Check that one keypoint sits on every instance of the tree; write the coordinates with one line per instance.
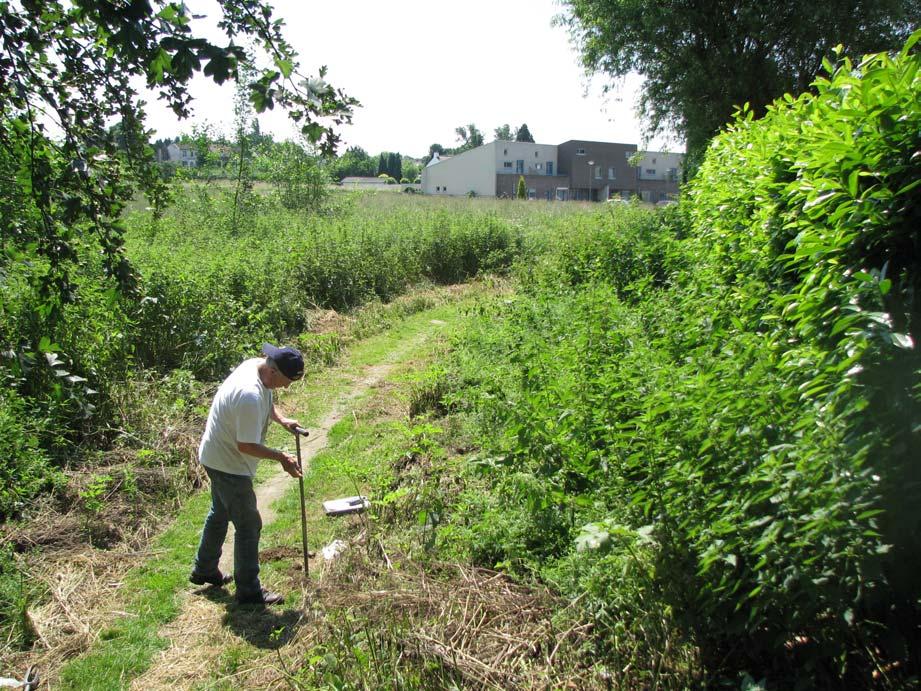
(504, 133)
(71, 68)
(523, 134)
(395, 165)
(411, 168)
(245, 122)
(390, 164)
(702, 60)
(469, 136)
(435, 149)
(355, 161)
(521, 191)
(299, 180)
(200, 140)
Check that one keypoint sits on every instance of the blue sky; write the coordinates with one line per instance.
(423, 67)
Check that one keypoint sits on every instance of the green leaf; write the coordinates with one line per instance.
(903, 341)
(852, 181)
(285, 66)
(46, 346)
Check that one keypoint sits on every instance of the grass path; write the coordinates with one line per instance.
(163, 625)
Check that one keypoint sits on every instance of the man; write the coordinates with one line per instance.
(230, 449)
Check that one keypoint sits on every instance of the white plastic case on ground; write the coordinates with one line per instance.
(346, 505)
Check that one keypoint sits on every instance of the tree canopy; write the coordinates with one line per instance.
(435, 149)
(523, 134)
(69, 69)
(470, 137)
(503, 133)
(702, 60)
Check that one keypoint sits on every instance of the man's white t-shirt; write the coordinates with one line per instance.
(240, 411)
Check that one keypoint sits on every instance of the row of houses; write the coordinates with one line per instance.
(573, 170)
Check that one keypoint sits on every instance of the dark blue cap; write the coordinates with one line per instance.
(288, 359)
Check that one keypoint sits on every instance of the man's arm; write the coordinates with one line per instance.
(286, 422)
(288, 462)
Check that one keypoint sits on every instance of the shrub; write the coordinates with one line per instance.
(299, 180)
(743, 389)
(24, 466)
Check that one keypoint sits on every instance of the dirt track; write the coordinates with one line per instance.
(196, 634)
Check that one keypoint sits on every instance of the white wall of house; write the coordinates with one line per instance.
(661, 165)
(173, 152)
(525, 158)
(471, 171)
(182, 154)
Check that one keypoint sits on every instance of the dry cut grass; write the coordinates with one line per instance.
(476, 626)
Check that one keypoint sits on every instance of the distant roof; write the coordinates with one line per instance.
(437, 158)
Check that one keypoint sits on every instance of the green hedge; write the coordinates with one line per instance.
(728, 397)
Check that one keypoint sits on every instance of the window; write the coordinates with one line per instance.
(597, 172)
(538, 165)
(650, 171)
(505, 152)
(673, 174)
(445, 188)
(580, 152)
(507, 164)
(611, 174)
(535, 154)
(438, 188)
(532, 193)
(519, 166)
(653, 161)
(549, 167)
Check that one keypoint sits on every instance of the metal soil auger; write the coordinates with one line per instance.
(29, 683)
(332, 507)
(298, 432)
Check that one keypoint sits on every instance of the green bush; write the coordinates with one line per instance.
(17, 593)
(739, 380)
(300, 182)
(24, 466)
(830, 186)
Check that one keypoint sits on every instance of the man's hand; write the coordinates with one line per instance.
(288, 423)
(289, 463)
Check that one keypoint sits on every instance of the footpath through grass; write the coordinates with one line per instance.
(154, 592)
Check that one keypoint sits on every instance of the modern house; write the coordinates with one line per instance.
(585, 170)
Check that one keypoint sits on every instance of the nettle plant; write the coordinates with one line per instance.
(808, 220)
(749, 387)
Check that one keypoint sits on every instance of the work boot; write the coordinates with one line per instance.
(261, 598)
(216, 579)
